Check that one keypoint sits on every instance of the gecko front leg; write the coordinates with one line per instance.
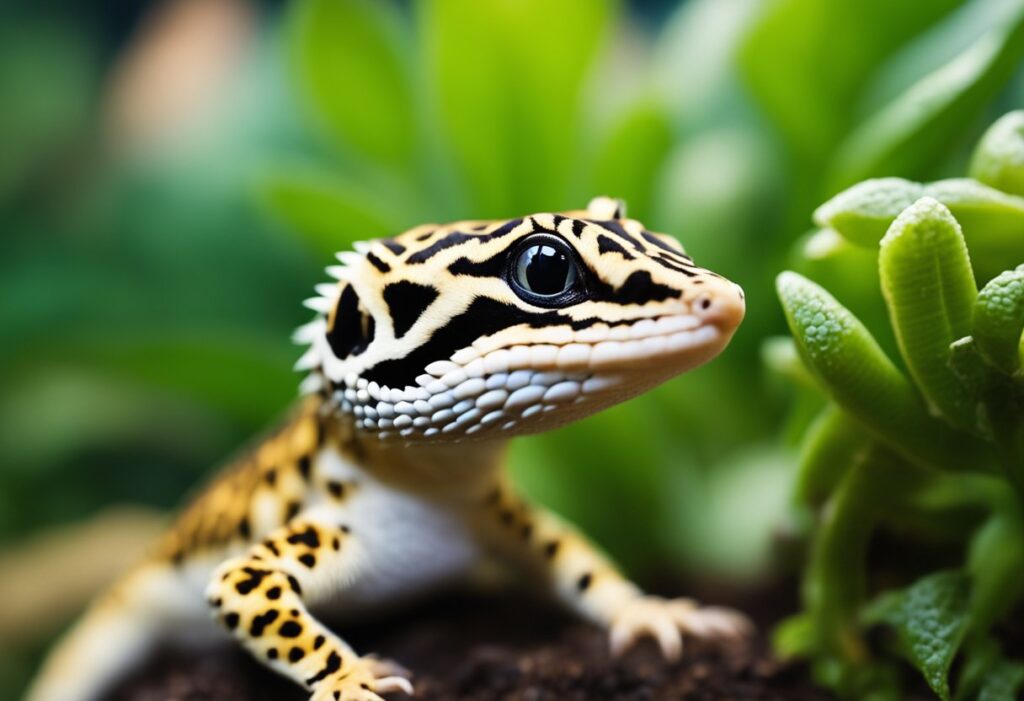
(262, 599)
(588, 583)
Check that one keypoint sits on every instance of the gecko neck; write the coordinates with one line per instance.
(446, 470)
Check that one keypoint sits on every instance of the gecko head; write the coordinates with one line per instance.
(491, 329)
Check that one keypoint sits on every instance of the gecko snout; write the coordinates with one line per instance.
(721, 305)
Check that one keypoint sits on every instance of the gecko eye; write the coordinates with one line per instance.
(544, 272)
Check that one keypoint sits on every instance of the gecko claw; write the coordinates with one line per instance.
(388, 684)
(666, 620)
(382, 667)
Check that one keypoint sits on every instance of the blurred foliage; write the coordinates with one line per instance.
(932, 450)
(150, 289)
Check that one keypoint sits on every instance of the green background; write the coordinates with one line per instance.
(153, 267)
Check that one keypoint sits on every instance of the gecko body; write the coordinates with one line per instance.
(428, 352)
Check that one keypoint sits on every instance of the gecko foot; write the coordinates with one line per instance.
(666, 620)
(365, 681)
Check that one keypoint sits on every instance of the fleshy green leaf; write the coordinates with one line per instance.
(863, 212)
(913, 131)
(864, 382)
(999, 320)
(832, 445)
(999, 158)
(992, 221)
(835, 581)
(348, 57)
(930, 618)
(929, 289)
(995, 561)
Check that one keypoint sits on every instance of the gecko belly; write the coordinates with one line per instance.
(407, 545)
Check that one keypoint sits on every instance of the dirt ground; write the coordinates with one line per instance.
(490, 648)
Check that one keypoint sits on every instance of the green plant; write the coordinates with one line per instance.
(932, 451)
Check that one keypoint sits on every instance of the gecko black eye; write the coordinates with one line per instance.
(544, 272)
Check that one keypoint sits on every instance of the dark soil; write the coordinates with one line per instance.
(476, 648)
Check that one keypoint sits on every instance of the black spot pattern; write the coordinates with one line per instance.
(393, 246)
(483, 317)
(638, 288)
(290, 629)
(406, 302)
(378, 263)
(260, 622)
(346, 336)
(457, 238)
(254, 579)
(309, 537)
(606, 244)
(332, 665)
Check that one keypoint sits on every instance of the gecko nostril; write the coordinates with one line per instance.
(722, 310)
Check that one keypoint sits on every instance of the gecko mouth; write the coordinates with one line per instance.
(479, 391)
(596, 348)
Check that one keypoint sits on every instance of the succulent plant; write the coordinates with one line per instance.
(927, 437)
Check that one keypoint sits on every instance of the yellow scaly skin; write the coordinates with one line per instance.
(430, 351)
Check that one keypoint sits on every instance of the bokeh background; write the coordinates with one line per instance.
(175, 175)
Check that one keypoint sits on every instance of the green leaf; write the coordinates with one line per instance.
(214, 367)
(995, 561)
(832, 445)
(1002, 682)
(929, 290)
(863, 212)
(865, 383)
(988, 676)
(695, 56)
(1000, 409)
(329, 212)
(999, 320)
(808, 61)
(992, 221)
(835, 580)
(910, 134)
(999, 158)
(779, 354)
(631, 158)
(930, 618)
(348, 57)
(508, 77)
(794, 637)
